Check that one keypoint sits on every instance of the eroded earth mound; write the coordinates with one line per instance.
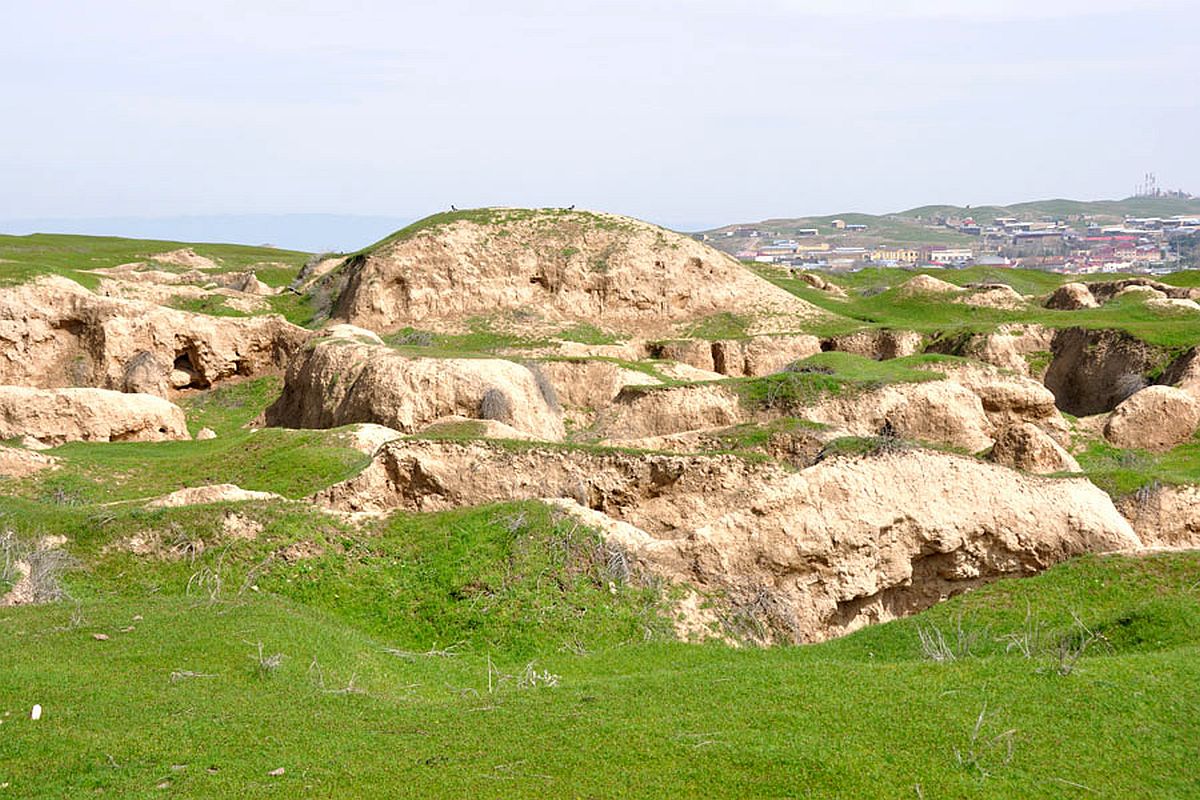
(835, 546)
(556, 267)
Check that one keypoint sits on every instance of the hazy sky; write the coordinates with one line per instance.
(687, 113)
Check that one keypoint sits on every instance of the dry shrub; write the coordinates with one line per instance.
(495, 405)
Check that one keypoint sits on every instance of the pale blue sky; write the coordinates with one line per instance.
(687, 113)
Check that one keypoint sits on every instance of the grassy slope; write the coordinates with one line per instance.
(293, 463)
(23, 258)
(560, 680)
(520, 596)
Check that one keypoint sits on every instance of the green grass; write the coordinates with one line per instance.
(613, 713)
(586, 333)
(481, 339)
(875, 303)
(1122, 472)
(725, 325)
(834, 373)
(213, 305)
(24, 258)
(291, 463)
(756, 436)
(231, 406)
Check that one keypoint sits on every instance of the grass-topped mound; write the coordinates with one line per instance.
(556, 267)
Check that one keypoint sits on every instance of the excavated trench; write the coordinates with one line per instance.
(1094, 371)
(1089, 371)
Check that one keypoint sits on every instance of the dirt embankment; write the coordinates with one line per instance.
(968, 410)
(56, 334)
(54, 416)
(341, 381)
(805, 554)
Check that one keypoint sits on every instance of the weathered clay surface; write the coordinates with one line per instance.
(16, 462)
(216, 493)
(925, 284)
(1027, 447)
(91, 415)
(54, 334)
(1012, 346)
(1156, 418)
(999, 296)
(1012, 400)
(1071, 297)
(341, 381)
(762, 355)
(880, 345)
(1165, 516)
(942, 412)
(638, 414)
(832, 547)
(1104, 291)
(818, 281)
(591, 384)
(1094, 370)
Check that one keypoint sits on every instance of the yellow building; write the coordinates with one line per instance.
(899, 254)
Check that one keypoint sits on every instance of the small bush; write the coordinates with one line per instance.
(45, 566)
(495, 405)
(414, 338)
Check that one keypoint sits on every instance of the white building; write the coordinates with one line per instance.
(955, 256)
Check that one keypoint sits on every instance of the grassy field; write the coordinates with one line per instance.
(489, 652)
(875, 302)
(23, 258)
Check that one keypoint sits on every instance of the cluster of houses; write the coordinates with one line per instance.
(1138, 244)
(823, 255)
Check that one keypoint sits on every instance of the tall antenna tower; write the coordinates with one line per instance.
(1148, 187)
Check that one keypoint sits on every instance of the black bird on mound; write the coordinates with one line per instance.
(453, 207)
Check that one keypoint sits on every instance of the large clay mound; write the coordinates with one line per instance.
(562, 266)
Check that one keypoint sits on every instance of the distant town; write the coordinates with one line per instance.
(1085, 238)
